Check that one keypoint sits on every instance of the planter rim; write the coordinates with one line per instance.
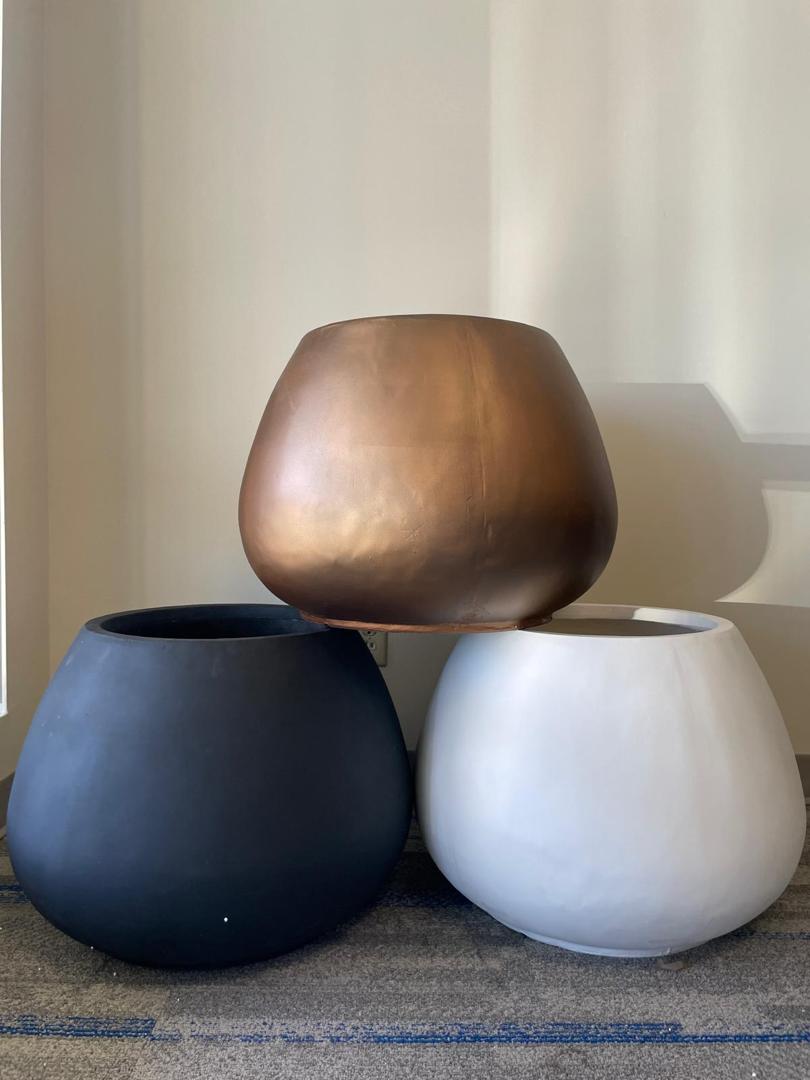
(433, 315)
(178, 614)
(695, 622)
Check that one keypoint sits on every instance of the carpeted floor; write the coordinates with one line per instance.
(423, 985)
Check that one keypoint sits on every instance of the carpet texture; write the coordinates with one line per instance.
(421, 985)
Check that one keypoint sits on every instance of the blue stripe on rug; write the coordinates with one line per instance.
(452, 1034)
(13, 894)
(511, 1034)
(83, 1027)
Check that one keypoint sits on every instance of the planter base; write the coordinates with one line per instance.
(430, 628)
(594, 950)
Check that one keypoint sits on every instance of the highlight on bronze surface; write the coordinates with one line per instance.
(428, 472)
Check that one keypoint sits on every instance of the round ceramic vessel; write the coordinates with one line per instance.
(209, 785)
(619, 781)
(428, 472)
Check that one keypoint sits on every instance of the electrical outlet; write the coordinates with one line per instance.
(377, 642)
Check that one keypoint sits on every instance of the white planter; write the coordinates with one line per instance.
(630, 792)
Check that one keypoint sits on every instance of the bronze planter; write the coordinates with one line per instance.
(428, 472)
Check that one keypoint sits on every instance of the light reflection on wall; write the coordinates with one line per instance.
(650, 180)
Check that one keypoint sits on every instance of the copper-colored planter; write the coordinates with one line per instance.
(428, 472)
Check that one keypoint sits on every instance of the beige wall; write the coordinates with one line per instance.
(631, 175)
(220, 178)
(26, 525)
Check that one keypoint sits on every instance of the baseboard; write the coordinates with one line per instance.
(803, 761)
(5, 792)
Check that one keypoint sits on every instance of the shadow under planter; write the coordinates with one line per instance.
(209, 785)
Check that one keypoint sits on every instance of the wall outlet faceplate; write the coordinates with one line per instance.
(377, 642)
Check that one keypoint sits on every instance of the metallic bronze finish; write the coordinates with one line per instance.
(428, 472)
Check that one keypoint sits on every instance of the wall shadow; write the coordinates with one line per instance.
(415, 662)
(693, 521)
(693, 528)
(93, 251)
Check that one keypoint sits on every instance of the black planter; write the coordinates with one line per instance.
(209, 785)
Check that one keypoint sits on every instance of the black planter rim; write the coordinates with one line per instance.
(205, 623)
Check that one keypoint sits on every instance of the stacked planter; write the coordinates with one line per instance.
(210, 785)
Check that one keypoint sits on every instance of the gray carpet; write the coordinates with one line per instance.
(422, 985)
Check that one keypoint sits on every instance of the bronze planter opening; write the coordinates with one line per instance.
(428, 472)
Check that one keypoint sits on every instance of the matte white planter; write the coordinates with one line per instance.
(626, 787)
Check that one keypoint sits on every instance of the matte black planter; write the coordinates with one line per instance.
(209, 785)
